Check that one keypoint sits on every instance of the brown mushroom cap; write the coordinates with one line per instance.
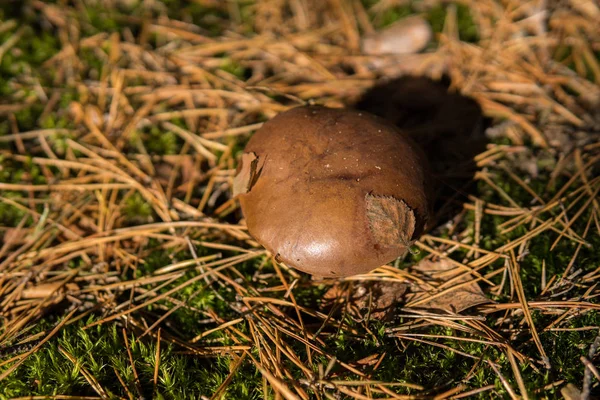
(333, 192)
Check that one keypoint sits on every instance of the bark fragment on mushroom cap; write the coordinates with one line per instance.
(333, 192)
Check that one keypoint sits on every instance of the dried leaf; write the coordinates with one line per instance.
(76, 112)
(406, 36)
(376, 298)
(95, 115)
(571, 392)
(438, 272)
(41, 291)
(15, 236)
(247, 175)
(587, 8)
(392, 221)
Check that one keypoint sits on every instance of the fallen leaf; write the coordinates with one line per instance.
(41, 291)
(587, 8)
(94, 115)
(376, 298)
(76, 111)
(406, 36)
(435, 273)
(392, 221)
(15, 236)
(571, 392)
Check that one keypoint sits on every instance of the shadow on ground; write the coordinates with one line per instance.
(448, 126)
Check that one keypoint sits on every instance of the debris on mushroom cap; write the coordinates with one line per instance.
(408, 35)
(246, 175)
(333, 192)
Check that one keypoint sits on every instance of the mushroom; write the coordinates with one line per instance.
(333, 192)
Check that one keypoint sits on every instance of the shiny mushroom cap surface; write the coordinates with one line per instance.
(333, 192)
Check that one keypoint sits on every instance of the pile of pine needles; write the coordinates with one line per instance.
(121, 124)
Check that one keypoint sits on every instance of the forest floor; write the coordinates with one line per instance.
(126, 270)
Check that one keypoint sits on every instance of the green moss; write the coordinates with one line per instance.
(207, 17)
(9, 214)
(393, 14)
(55, 122)
(136, 208)
(161, 142)
(467, 29)
(233, 67)
(40, 48)
(31, 51)
(101, 350)
(27, 117)
(67, 97)
(91, 60)
(59, 141)
(4, 128)
(101, 20)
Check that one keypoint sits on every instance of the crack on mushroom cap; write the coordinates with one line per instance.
(391, 221)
